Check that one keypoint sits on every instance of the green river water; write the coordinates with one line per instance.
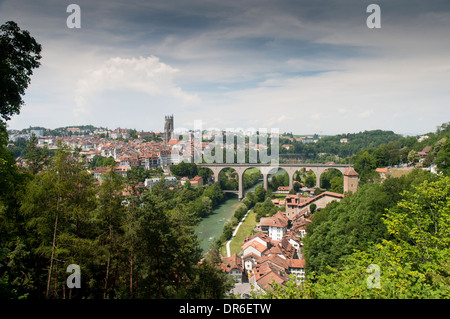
(211, 227)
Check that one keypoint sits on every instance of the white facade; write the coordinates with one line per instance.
(276, 233)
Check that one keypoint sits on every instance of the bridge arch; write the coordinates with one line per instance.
(265, 169)
(328, 177)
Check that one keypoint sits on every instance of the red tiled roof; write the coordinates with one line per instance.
(350, 172)
(277, 220)
(230, 263)
(296, 263)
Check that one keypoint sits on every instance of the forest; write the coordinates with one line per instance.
(137, 246)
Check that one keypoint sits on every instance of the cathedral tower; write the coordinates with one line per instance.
(168, 128)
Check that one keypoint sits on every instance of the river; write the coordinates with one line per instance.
(211, 227)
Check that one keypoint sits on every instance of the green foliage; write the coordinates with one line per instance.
(265, 209)
(139, 246)
(19, 55)
(310, 180)
(365, 164)
(332, 180)
(101, 161)
(210, 282)
(341, 227)
(37, 158)
(412, 255)
(442, 159)
(279, 180)
(184, 169)
(260, 193)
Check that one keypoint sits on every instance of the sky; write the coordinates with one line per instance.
(306, 67)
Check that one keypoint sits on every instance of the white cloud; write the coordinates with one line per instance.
(146, 75)
(365, 114)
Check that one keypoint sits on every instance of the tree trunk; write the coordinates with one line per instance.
(131, 275)
(107, 265)
(107, 275)
(53, 252)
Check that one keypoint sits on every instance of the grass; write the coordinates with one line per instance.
(398, 172)
(245, 230)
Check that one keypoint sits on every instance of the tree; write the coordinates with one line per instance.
(111, 221)
(19, 55)
(210, 282)
(260, 193)
(310, 181)
(413, 157)
(442, 159)
(56, 205)
(365, 164)
(168, 249)
(413, 259)
(37, 158)
(343, 226)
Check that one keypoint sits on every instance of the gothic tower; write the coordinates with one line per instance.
(168, 128)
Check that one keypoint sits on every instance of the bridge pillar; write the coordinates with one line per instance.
(265, 173)
(291, 171)
(240, 171)
(318, 171)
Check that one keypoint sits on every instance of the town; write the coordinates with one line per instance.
(273, 251)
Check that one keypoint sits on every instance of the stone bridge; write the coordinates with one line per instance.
(267, 169)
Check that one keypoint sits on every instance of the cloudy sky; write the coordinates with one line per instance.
(300, 66)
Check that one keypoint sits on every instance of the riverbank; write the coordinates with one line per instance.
(244, 229)
(210, 228)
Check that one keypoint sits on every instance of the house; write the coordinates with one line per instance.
(383, 172)
(254, 247)
(233, 266)
(283, 189)
(300, 225)
(249, 262)
(183, 180)
(98, 172)
(197, 181)
(275, 227)
(265, 260)
(279, 202)
(297, 205)
(297, 268)
(423, 154)
(265, 274)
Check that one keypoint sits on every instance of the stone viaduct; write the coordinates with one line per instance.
(265, 169)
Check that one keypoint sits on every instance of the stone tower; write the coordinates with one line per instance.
(168, 128)
(350, 180)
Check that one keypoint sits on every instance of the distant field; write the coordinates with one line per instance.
(398, 172)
